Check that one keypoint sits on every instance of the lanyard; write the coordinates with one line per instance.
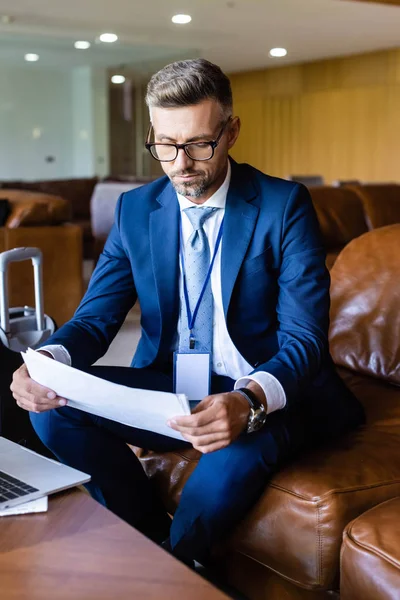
(192, 317)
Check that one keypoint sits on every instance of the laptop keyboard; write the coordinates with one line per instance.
(11, 488)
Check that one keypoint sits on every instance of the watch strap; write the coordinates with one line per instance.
(250, 397)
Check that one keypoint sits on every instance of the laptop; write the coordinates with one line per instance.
(25, 475)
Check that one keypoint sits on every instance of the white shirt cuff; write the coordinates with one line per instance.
(59, 353)
(272, 388)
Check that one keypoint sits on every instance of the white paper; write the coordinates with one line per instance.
(192, 375)
(144, 409)
(32, 506)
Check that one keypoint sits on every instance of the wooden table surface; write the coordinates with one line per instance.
(79, 550)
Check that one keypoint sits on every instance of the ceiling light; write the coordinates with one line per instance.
(31, 57)
(278, 52)
(82, 45)
(181, 19)
(118, 79)
(108, 38)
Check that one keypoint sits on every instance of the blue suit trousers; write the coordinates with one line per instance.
(221, 490)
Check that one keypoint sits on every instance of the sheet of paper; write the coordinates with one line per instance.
(144, 409)
(33, 506)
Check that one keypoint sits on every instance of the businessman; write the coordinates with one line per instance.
(229, 269)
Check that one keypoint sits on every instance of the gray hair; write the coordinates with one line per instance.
(189, 82)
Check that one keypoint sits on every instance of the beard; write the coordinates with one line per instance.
(191, 189)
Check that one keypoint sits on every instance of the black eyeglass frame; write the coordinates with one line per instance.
(212, 143)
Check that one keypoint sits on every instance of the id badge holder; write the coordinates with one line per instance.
(192, 374)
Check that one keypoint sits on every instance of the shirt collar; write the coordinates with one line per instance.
(217, 200)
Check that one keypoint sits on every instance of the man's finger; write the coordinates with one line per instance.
(21, 379)
(212, 447)
(215, 427)
(206, 440)
(40, 391)
(32, 404)
(199, 419)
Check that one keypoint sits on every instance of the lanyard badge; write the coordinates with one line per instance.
(192, 370)
(192, 317)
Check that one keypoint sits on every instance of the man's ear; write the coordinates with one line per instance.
(234, 131)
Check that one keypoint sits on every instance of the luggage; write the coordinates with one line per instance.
(20, 328)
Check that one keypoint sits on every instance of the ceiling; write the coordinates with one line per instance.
(236, 34)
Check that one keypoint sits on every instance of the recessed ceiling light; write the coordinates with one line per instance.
(108, 38)
(82, 45)
(31, 57)
(118, 79)
(278, 52)
(181, 19)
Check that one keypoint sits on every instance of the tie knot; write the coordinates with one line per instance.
(198, 215)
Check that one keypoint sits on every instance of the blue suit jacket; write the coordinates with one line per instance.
(275, 285)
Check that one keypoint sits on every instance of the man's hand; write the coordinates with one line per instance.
(215, 423)
(31, 396)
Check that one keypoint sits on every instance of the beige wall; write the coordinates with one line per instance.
(337, 118)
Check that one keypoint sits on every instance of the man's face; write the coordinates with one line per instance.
(197, 180)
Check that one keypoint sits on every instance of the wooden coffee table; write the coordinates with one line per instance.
(79, 550)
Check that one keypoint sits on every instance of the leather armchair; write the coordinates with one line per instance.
(76, 191)
(289, 544)
(41, 220)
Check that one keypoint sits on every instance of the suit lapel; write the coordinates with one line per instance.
(239, 224)
(164, 246)
(240, 220)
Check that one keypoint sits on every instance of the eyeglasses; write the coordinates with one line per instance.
(194, 150)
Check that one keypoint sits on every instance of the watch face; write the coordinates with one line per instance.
(256, 420)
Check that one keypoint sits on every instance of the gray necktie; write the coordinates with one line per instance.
(196, 265)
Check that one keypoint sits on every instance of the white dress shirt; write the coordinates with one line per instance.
(226, 359)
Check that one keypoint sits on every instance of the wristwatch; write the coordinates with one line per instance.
(258, 414)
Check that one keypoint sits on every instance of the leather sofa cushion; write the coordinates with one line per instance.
(26, 214)
(315, 496)
(31, 208)
(381, 203)
(340, 214)
(76, 191)
(371, 555)
(365, 315)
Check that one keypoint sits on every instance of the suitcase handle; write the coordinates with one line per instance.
(16, 255)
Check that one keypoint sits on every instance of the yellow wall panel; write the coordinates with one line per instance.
(337, 118)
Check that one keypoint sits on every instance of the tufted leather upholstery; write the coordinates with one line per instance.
(295, 530)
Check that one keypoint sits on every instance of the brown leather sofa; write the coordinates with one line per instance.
(76, 191)
(381, 203)
(41, 220)
(370, 558)
(288, 547)
(347, 212)
(344, 213)
(341, 218)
